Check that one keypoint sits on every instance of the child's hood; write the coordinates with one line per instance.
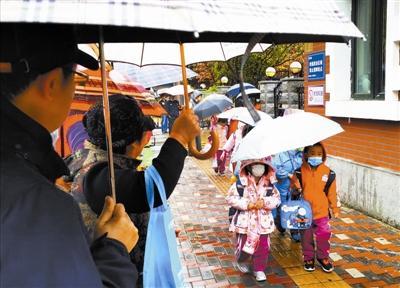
(305, 158)
(267, 161)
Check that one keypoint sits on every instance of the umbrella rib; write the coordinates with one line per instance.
(223, 52)
(141, 56)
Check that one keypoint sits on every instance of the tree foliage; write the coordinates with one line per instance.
(277, 56)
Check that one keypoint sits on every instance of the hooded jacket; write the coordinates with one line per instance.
(257, 221)
(313, 184)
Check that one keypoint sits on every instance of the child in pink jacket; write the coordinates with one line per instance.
(253, 221)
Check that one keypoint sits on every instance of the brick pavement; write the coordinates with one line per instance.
(366, 252)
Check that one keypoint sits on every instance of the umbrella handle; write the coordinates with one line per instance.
(210, 153)
(214, 136)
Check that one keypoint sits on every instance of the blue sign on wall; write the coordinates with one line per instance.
(316, 66)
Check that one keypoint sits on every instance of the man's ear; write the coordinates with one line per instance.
(48, 84)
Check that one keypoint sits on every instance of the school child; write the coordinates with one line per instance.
(285, 163)
(253, 220)
(221, 129)
(317, 184)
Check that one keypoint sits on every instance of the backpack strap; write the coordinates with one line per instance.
(331, 178)
(297, 172)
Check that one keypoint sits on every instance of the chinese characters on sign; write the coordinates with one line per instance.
(316, 66)
(316, 96)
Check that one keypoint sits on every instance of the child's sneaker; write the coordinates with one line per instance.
(309, 265)
(243, 267)
(326, 265)
(260, 276)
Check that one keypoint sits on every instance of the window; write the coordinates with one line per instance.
(368, 57)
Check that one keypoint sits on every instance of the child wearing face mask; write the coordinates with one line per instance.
(253, 220)
(314, 175)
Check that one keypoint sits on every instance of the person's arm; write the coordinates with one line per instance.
(130, 184)
(111, 258)
(235, 200)
(113, 263)
(333, 199)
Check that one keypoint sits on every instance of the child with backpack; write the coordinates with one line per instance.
(285, 164)
(317, 185)
(253, 220)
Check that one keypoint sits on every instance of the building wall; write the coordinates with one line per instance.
(370, 189)
(366, 157)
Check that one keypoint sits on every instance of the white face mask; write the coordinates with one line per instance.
(258, 170)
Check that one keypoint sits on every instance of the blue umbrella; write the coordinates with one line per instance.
(212, 105)
(235, 89)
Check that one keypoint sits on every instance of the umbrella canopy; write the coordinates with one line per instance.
(143, 54)
(249, 91)
(190, 21)
(212, 105)
(153, 75)
(286, 133)
(117, 84)
(243, 115)
(234, 90)
(175, 90)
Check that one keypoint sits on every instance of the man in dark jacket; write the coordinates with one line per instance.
(172, 106)
(42, 239)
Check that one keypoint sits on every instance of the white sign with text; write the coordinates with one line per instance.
(316, 96)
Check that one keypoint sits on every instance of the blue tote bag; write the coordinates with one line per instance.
(162, 267)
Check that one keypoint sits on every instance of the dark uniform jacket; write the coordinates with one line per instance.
(42, 238)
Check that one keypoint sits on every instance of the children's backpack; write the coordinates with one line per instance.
(232, 211)
(296, 214)
(292, 213)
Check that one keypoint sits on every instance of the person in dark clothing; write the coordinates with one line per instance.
(172, 107)
(43, 241)
(129, 135)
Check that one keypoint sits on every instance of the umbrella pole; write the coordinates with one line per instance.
(214, 137)
(184, 79)
(107, 117)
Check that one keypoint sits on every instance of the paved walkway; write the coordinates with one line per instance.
(366, 252)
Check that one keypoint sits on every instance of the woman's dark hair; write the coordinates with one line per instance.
(14, 84)
(127, 122)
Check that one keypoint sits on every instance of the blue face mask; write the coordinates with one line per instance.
(314, 161)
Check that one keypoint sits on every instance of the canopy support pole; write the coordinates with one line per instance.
(107, 116)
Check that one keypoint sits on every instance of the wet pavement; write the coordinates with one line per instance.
(366, 252)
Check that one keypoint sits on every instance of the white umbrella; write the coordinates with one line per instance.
(143, 54)
(153, 75)
(175, 90)
(242, 114)
(190, 21)
(285, 133)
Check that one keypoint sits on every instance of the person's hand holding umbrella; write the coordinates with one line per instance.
(186, 127)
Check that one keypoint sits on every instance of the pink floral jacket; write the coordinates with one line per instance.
(257, 221)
